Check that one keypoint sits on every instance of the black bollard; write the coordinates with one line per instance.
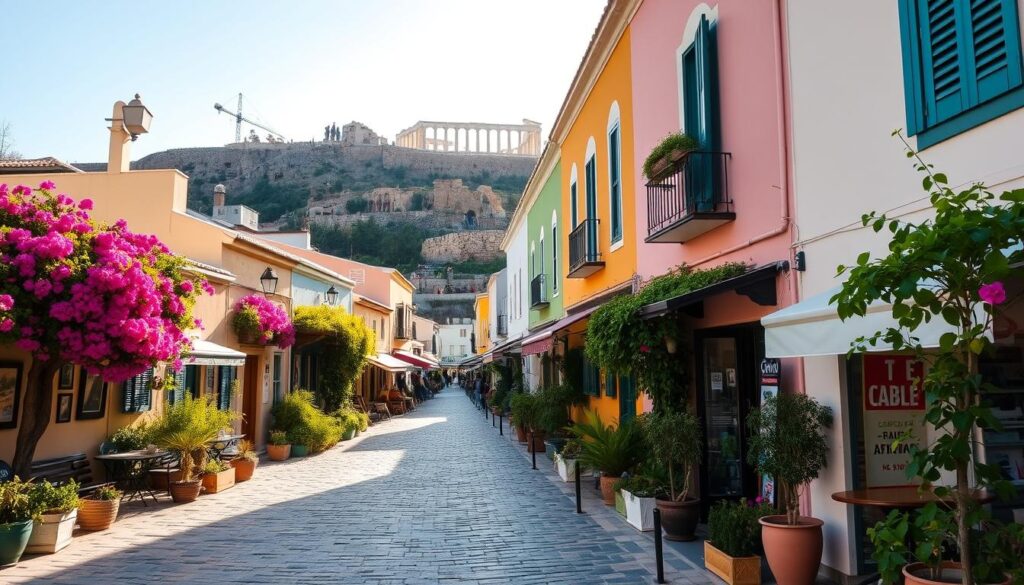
(533, 451)
(658, 557)
(492, 421)
(501, 430)
(579, 498)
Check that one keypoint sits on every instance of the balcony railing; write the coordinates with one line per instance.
(584, 257)
(689, 198)
(502, 325)
(538, 292)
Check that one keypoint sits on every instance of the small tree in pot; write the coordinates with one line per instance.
(612, 451)
(524, 415)
(787, 442)
(185, 428)
(674, 441)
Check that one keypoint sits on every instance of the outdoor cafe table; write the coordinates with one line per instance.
(130, 470)
(899, 498)
(217, 446)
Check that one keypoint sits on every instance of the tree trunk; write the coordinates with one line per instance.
(963, 497)
(35, 416)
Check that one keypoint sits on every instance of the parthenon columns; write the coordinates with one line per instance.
(520, 139)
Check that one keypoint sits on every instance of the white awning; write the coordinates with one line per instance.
(812, 328)
(207, 353)
(387, 362)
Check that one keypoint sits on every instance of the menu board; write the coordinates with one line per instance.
(894, 404)
(770, 382)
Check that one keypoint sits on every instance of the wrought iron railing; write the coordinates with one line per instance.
(583, 247)
(538, 291)
(695, 184)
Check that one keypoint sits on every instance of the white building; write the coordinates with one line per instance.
(454, 340)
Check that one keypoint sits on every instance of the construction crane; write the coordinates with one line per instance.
(239, 118)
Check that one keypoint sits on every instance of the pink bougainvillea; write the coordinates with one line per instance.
(268, 322)
(72, 289)
(993, 293)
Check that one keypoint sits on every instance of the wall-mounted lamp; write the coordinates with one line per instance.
(137, 117)
(268, 280)
(331, 295)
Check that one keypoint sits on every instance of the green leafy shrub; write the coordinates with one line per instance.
(524, 410)
(674, 440)
(214, 466)
(610, 450)
(347, 342)
(132, 437)
(674, 141)
(16, 504)
(734, 529)
(187, 426)
(571, 449)
(552, 407)
(640, 486)
(106, 493)
(357, 205)
(304, 423)
(52, 499)
(279, 438)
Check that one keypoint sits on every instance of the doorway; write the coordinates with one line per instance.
(727, 367)
(249, 390)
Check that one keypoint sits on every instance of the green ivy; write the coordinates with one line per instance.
(347, 342)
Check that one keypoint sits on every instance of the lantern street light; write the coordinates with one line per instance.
(137, 117)
(268, 280)
(332, 295)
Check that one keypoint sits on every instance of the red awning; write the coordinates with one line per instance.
(411, 358)
(539, 346)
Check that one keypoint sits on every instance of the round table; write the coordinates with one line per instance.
(908, 497)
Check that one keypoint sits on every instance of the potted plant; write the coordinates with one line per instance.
(16, 515)
(552, 415)
(638, 498)
(98, 510)
(186, 427)
(58, 506)
(611, 451)
(299, 438)
(309, 429)
(734, 541)
(673, 440)
(217, 476)
(259, 321)
(246, 462)
(565, 460)
(524, 413)
(787, 442)
(278, 447)
(670, 150)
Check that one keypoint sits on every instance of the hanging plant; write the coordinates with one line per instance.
(671, 148)
(260, 321)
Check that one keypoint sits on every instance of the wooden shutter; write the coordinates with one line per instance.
(627, 398)
(703, 178)
(177, 393)
(615, 182)
(609, 384)
(994, 50)
(226, 375)
(943, 59)
(136, 393)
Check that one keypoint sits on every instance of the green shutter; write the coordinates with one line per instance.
(705, 179)
(627, 398)
(609, 384)
(177, 393)
(942, 29)
(225, 376)
(136, 393)
(994, 50)
(615, 183)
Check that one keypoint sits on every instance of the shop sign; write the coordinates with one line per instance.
(770, 382)
(894, 425)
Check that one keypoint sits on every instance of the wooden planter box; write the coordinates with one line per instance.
(639, 511)
(52, 532)
(218, 482)
(735, 571)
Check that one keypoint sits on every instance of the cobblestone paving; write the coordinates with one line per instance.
(433, 497)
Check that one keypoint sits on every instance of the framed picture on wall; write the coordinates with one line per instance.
(92, 398)
(64, 407)
(66, 381)
(10, 394)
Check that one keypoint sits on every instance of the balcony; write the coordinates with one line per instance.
(538, 292)
(689, 198)
(502, 325)
(584, 258)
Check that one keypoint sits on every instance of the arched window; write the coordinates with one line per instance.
(573, 197)
(540, 237)
(554, 253)
(615, 173)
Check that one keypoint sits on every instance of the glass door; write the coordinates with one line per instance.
(722, 419)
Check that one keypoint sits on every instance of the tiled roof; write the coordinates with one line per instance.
(36, 165)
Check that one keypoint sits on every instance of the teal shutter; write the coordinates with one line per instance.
(943, 59)
(706, 78)
(136, 395)
(615, 186)
(627, 398)
(225, 376)
(177, 393)
(192, 380)
(590, 172)
(609, 384)
(573, 204)
(994, 50)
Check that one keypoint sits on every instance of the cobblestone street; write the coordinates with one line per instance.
(436, 496)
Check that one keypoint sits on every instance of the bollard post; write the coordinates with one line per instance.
(501, 420)
(579, 499)
(533, 451)
(658, 557)
(492, 421)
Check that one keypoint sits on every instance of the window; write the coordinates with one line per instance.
(383, 325)
(227, 377)
(615, 172)
(554, 254)
(699, 76)
(591, 378)
(137, 396)
(278, 370)
(961, 65)
(573, 202)
(462, 332)
(541, 250)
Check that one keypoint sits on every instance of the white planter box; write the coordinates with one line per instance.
(639, 511)
(52, 533)
(566, 468)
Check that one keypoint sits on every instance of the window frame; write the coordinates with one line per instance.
(615, 181)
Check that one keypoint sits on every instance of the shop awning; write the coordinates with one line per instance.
(543, 339)
(812, 328)
(207, 353)
(757, 284)
(415, 360)
(388, 363)
(540, 345)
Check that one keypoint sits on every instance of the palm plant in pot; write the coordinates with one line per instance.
(673, 439)
(611, 451)
(185, 427)
(246, 462)
(58, 506)
(788, 443)
(16, 515)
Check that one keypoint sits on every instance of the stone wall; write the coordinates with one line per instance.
(479, 245)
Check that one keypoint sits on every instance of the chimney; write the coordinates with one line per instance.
(219, 196)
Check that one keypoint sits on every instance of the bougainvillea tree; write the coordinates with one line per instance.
(73, 290)
(263, 321)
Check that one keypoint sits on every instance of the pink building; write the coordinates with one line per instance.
(717, 75)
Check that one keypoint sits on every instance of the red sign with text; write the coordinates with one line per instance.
(894, 426)
(892, 382)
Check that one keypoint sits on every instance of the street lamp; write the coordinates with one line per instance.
(137, 117)
(332, 295)
(268, 280)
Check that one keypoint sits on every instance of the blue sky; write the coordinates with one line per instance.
(301, 64)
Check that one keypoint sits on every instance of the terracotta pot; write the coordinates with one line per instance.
(97, 514)
(218, 482)
(732, 570)
(917, 574)
(793, 551)
(679, 519)
(52, 532)
(244, 468)
(607, 493)
(538, 444)
(279, 452)
(521, 434)
(184, 492)
(159, 478)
